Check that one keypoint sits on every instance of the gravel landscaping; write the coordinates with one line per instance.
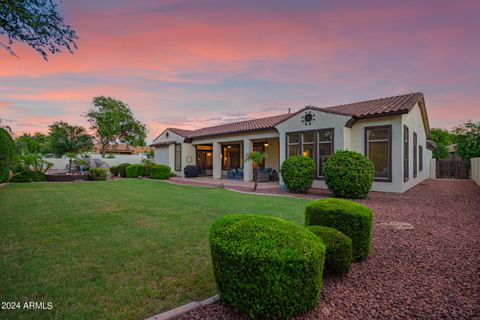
(425, 260)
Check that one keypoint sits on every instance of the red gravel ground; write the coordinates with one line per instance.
(430, 272)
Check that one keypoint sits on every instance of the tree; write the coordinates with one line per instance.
(64, 138)
(255, 157)
(36, 23)
(442, 139)
(113, 123)
(6, 127)
(467, 139)
(7, 153)
(27, 143)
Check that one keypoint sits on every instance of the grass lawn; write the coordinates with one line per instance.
(125, 249)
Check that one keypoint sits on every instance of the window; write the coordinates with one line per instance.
(414, 155)
(293, 144)
(178, 157)
(231, 156)
(260, 147)
(316, 144)
(405, 153)
(378, 148)
(420, 158)
(325, 149)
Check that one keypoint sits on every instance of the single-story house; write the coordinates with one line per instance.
(392, 132)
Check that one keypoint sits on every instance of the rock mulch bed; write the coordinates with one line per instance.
(429, 272)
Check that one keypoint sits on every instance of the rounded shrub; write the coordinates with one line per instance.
(351, 218)
(122, 169)
(298, 173)
(114, 171)
(348, 174)
(7, 152)
(266, 267)
(135, 171)
(338, 256)
(98, 174)
(161, 171)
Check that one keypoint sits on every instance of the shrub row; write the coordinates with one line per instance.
(161, 171)
(266, 267)
(28, 176)
(122, 169)
(135, 171)
(98, 174)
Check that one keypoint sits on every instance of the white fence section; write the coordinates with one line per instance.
(475, 170)
(433, 168)
(60, 163)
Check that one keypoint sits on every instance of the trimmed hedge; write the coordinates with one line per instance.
(28, 176)
(114, 171)
(348, 174)
(161, 171)
(338, 257)
(98, 174)
(7, 152)
(298, 173)
(135, 171)
(266, 267)
(350, 218)
(122, 169)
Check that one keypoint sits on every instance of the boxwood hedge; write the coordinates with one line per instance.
(114, 171)
(338, 256)
(161, 171)
(135, 171)
(122, 169)
(98, 174)
(297, 173)
(348, 174)
(266, 267)
(351, 218)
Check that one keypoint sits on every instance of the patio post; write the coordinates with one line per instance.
(247, 166)
(217, 160)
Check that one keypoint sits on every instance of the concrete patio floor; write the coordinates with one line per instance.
(228, 183)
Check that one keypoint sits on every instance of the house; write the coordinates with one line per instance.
(392, 132)
(122, 149)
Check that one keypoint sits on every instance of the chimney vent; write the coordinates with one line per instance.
(288, 110)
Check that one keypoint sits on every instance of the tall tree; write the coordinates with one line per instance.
(113, 123)
(36, 23)
(442, 139)
(27, 143)
(467, 139)
(255, 157)
(64, 138)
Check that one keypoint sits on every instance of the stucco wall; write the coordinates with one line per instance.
(166, 154)
(161, 155)
(415, 124)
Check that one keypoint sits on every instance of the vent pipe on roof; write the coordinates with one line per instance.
(288, 110)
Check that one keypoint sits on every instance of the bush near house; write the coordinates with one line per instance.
(135, 171)
(7, 152)
(98, 174)
(348, 174)
(338, 256)
(122, 169)
(266, 267)
(161, 171)
(114, 171)
(28, 176)
(350, 218)
(298, 173)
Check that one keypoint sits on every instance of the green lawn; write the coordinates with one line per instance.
(125, 249)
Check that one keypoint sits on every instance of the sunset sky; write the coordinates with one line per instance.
(191, 64)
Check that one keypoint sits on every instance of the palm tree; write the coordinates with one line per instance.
(256, 157)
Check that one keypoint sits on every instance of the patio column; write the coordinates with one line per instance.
(247, 166)
(217, 160)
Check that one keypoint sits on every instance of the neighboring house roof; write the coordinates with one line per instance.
(359, 110)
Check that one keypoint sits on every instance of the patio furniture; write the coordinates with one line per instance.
(191, 171)
(239, 173)
(263, 176)
(231, 174)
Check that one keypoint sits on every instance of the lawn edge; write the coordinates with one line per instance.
(186, 308)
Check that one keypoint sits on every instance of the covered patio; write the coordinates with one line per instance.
(226, 183)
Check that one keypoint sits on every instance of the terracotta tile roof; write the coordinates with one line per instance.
(181, 132)
(377, 107)
(236, 127)
(163, 143)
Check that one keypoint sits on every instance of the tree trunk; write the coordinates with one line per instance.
(70, 165)
(255, 179)
(103, 151)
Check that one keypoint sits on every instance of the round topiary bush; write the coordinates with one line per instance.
(7, 152)
(348, 174)
(351, 218)
(298, 173)
(338, 257)
(122, 169)
(98, 174)
(135, 171)
(161, 171)
(266, 267)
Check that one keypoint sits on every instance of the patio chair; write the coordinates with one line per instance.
(239, 174)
